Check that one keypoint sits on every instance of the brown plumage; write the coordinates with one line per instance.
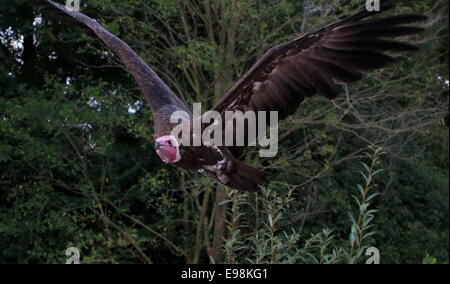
(313, 63)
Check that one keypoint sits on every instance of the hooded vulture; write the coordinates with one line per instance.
(312, 63)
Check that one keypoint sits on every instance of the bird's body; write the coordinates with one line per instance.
(310, 64)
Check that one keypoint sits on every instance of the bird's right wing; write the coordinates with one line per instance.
(156, 92)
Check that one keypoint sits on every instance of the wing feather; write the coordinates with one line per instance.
(316, 62)
(156, 92)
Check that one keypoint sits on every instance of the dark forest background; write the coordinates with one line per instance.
(78, 168)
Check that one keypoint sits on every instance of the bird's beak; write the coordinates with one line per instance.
(157, 145)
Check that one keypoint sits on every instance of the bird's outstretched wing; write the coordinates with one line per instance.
(315, 62)
(156, 92)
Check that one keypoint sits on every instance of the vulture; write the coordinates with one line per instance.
(311, 63)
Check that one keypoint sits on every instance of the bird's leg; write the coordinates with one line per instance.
(220, 167)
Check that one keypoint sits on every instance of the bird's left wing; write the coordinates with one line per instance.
(315, 62)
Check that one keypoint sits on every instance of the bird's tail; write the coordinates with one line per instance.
(246, 177)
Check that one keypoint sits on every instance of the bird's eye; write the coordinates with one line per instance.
(170, 142)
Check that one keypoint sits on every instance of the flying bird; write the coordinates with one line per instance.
(312, 63)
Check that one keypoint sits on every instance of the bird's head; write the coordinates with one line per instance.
(168, 149)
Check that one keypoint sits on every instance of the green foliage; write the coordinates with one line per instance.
(429, 260)
(277, 242)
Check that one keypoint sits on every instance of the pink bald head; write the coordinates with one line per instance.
(167, 149)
